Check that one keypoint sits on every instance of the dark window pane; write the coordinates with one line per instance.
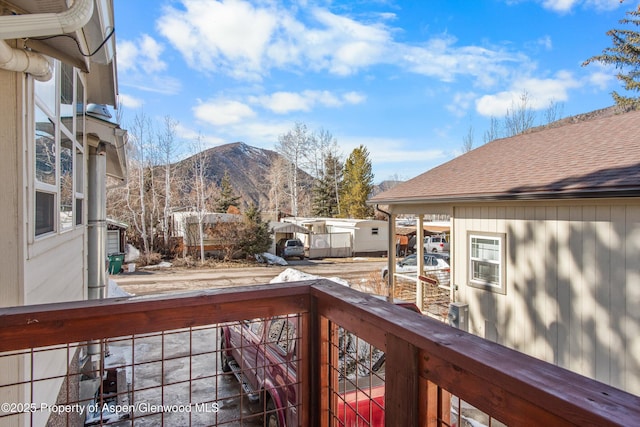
(45, 208)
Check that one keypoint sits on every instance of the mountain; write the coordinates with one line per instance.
(384, 186)
(249, 170)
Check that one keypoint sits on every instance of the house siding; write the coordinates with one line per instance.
(10, 184)
(58, 273)
(32, 270)
(572, 275)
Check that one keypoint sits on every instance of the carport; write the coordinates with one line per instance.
(287, 230)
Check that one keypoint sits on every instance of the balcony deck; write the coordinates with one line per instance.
(430, 367)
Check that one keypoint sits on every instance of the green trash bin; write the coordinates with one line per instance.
(115, 263)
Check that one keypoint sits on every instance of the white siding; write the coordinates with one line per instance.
(572, 284)
(113, 241)
(57, 273)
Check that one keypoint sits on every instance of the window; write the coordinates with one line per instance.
(45, 203)
(486, 261)
(58, 151)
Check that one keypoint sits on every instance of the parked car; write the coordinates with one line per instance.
(435, 265)
(436, 243)
(289, 248)
(263, 355)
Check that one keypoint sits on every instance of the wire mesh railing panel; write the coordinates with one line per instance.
(356, 383)
(239, 373)
(436, 297)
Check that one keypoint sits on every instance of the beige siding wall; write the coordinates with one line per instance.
(11, 183)
(572, 284)
(55, 270)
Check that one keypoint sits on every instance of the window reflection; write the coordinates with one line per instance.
(66, 182)
(45, 149)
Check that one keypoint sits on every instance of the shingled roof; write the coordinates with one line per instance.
(594, 155)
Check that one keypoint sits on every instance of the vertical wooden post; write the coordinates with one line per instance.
(323, 360)
(434, 405)
(402, 381)
(316, 389)
(420, 260)
(307, 366)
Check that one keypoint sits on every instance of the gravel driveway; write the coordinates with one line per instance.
(168, 280)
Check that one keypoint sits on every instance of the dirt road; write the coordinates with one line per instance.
(169, 280)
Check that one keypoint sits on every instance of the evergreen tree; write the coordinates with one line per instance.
(357, 185)
(327, 187)
(255, 236)
(625, 55)
(227, 197)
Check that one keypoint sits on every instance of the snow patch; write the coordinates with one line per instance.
(131, 254)
(114, 291)
(271, 259)
(293, 275)
(163, 264)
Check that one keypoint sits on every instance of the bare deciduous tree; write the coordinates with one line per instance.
(167, 147)
(294, 146)
(200, 193)
(553, 112)
(467, 140)
(520, 116)
(493, 132)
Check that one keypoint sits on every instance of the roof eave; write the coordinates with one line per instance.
(554, 195)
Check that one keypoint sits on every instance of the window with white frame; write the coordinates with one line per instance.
(487, 261)
(58, 151)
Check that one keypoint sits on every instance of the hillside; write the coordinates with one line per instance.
(249, 168)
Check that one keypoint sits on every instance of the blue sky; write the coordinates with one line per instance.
(407, 79)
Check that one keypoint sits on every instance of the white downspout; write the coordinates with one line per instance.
(46, 24)
(38, 25)
(24, 61)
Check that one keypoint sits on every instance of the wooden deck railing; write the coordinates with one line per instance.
(426, 360)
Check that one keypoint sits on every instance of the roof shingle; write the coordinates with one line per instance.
(597, 155)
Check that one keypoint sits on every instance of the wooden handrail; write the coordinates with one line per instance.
(508, 385)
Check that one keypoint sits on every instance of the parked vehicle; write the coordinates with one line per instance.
(435, 265)
(436, 243)
(263, 355)
(289, 248)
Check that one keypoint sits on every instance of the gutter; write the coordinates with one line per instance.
(391, 253)
(501, 197)
(38, 25)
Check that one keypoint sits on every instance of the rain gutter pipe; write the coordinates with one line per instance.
(38, 25)
(391, 253)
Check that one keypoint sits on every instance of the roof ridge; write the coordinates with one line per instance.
(612, 110)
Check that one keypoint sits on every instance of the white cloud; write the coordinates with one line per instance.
(141, 55)
(389, 150)
(602, 76)
(130, 101)
(440, 58)
(354, 98)
(559, 5)
(461, 103)
(564, 6)
(229, 36)
(222, 112)
(247, 41)
(540, 93)
(140, 66)
(600, 79)
(286, 102)
(546, 42)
